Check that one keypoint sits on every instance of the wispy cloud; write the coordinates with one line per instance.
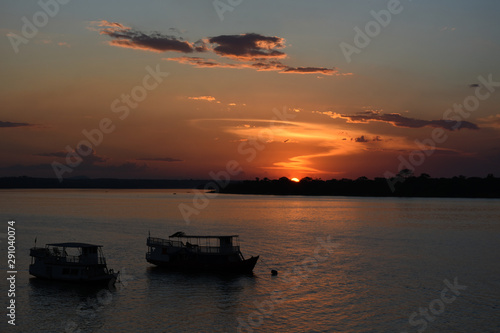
(93, 165)
(7, 124)
(61, 154)
(259, 66)
(398, 120)
(126, 170)
(202, 62)
(91, 158)
(448, 29)
(310, 70)
(124, 36)
(491, 121)
(159, 159)
(48, 41)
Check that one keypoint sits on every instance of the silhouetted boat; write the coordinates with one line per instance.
(199, 253)
(85, 263)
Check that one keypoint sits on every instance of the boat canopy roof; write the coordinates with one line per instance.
(73, 244)
(183, 235)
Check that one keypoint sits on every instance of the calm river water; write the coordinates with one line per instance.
(345, 264)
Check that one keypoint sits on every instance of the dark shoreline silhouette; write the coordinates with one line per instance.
(401, 186)
(422, 186)
(105, 183)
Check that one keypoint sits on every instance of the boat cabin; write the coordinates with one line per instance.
(79, 253)
(80, 262)
(200, 244)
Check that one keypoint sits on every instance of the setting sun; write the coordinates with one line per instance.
(295, 180)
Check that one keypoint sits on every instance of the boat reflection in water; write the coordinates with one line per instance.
(199, 253)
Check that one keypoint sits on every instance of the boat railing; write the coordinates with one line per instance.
(154, 241)
(74, 259)
(59, 257)
(215, 249)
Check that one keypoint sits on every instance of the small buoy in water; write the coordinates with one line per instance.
(274, 272)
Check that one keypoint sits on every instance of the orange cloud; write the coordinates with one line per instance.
(491, 121)
(106, 25)
(314, 149)
(203, 98)
(259, 66)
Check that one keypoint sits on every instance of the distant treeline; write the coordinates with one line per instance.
(422, 186)
(404, 185)
(29, 182)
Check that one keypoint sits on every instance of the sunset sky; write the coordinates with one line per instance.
(177, 89)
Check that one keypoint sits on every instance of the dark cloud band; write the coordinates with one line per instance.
(398, 120)
(249, 50)
(5, 124)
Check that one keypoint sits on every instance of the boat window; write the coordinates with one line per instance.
(89, 250)
(226, 241)
(65, 271)
(74, 271)
(72, 251)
